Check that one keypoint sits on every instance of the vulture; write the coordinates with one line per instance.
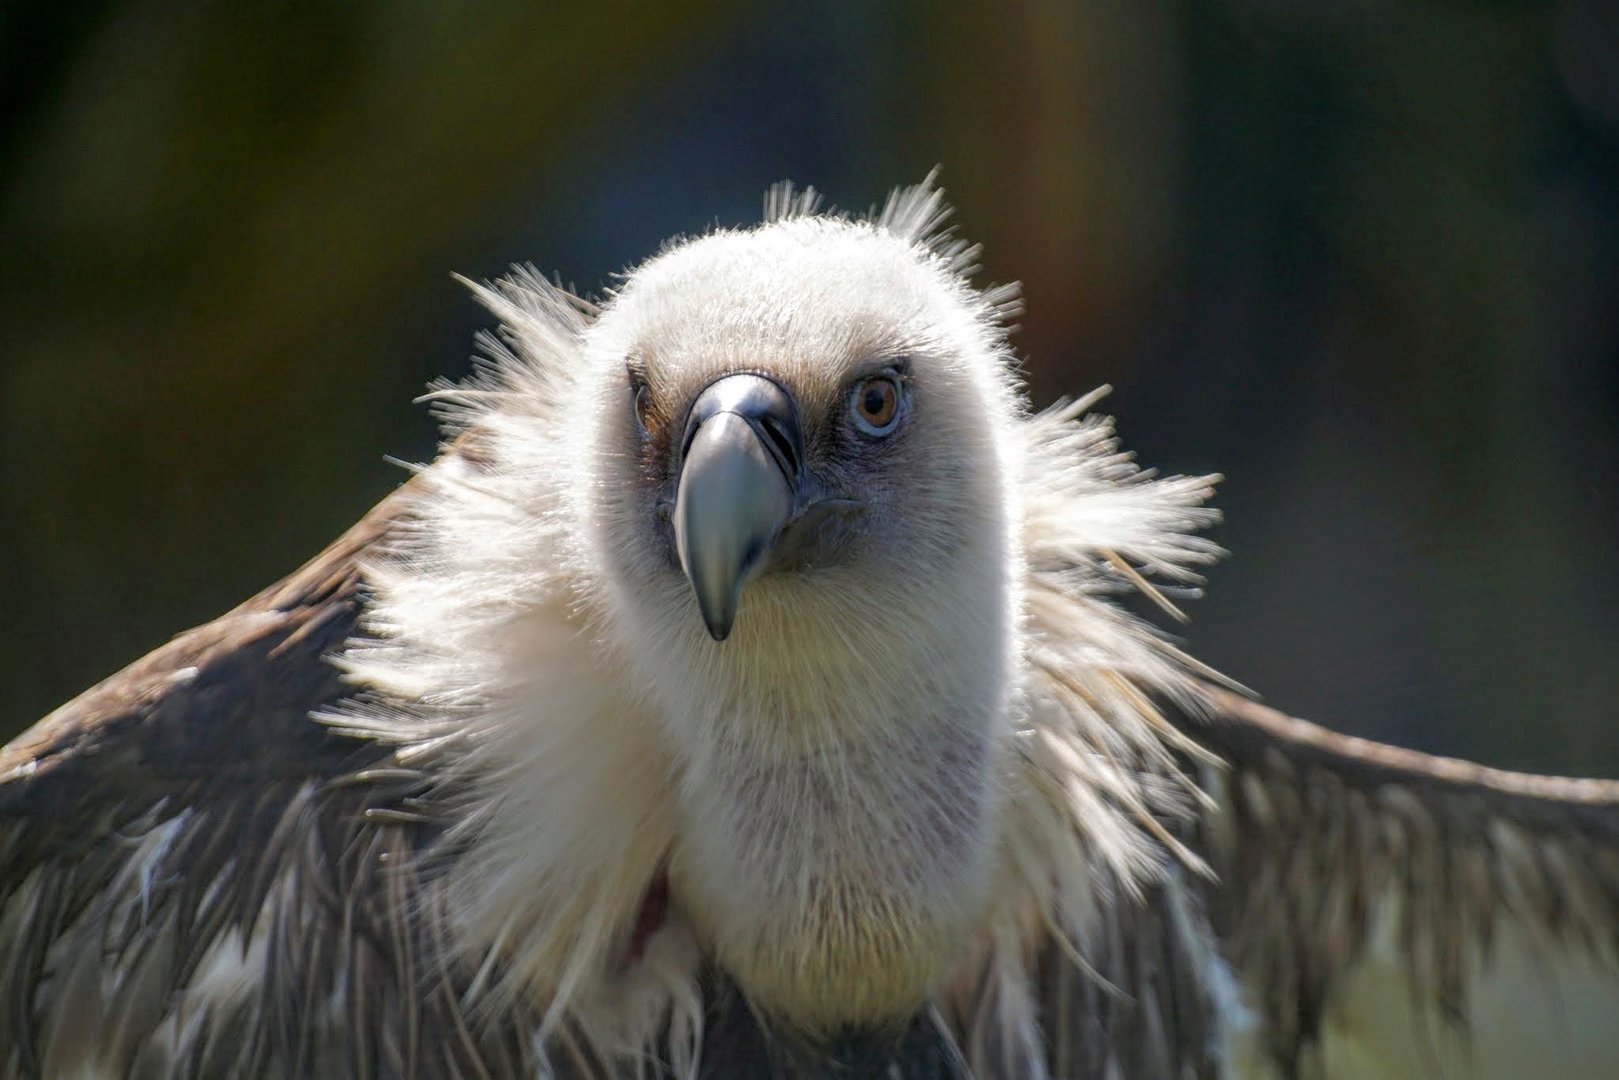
(751, 688)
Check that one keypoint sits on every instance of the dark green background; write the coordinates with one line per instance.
(1363, 257)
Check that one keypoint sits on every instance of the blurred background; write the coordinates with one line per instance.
(1362, 257)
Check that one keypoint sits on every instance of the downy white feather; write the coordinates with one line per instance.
(885, 786)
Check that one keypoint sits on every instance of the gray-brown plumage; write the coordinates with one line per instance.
(480, 791)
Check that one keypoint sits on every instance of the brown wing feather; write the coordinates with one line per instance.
(1333, 854)
(186, 819)
(1139, 1006)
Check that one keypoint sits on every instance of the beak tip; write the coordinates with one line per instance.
(718, 619)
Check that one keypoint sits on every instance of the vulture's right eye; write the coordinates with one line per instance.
(875, 405)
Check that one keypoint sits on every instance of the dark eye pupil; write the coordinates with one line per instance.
(875, 401)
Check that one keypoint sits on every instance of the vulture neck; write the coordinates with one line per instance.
(838, 794)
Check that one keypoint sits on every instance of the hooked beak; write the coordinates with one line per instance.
(741, 482)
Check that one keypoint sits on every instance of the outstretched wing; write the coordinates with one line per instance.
(1389, 913)
(191, 882)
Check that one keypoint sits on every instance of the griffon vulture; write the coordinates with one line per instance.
(743, 691)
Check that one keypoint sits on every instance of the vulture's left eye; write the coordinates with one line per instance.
(644, 412)
(874, 404)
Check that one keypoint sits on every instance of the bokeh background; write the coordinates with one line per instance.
(1362, 257)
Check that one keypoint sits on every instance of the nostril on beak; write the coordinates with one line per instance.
(782, 443)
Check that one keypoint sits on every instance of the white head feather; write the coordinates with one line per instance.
(908, 759)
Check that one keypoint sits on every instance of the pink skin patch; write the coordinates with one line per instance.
(649, 919)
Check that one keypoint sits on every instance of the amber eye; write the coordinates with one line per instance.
(643, 404)
(874, 404)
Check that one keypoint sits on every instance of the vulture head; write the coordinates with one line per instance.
(714, 616)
